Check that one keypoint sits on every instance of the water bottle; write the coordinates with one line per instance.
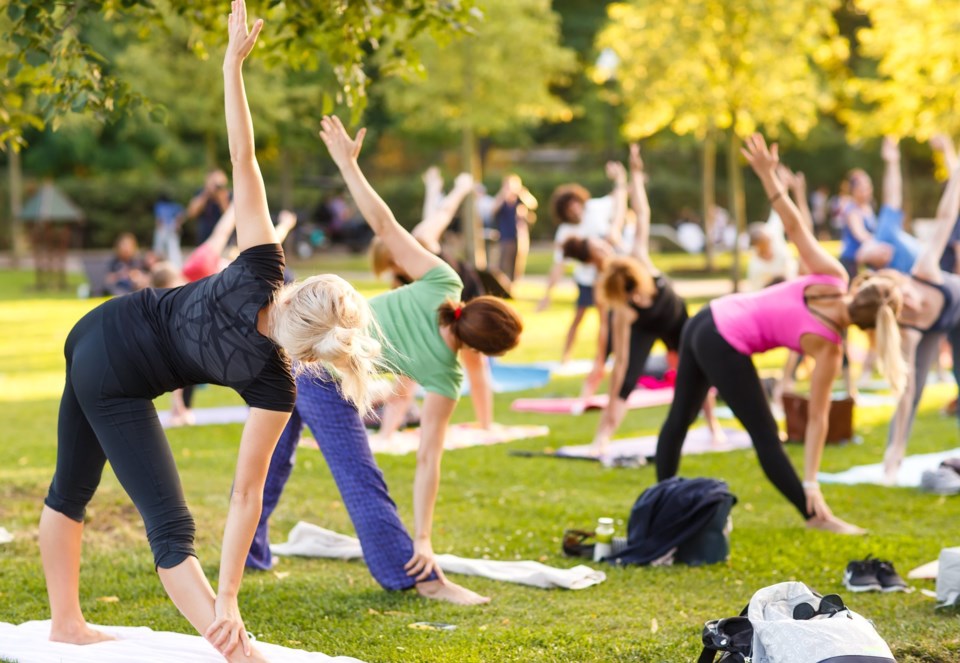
(604, 536)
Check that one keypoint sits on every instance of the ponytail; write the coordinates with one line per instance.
(485, 324)
(876, 303)
(889, 356)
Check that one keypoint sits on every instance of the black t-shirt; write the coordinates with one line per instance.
(665, 317)
(206, 332)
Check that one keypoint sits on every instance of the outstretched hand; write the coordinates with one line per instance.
(241, 41)
(636, 162)
(890, 149)
(763, 160)
(342, 148)
(616, 172)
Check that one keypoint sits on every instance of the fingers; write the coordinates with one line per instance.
(257, 27)
(245, 641)
(359, 140)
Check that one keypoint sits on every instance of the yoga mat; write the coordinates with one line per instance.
(212, 416)
(571, 368)
(459, 436)
(698, 441)
(514, 377)
(308, 540)
(640, 398)
(28, 643)
(911, 470)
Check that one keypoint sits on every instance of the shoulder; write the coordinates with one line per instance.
(441, 275)
(265, 261)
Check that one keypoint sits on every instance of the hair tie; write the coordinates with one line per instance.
(457, 311)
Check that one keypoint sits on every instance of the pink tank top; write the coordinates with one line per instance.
(774, 317)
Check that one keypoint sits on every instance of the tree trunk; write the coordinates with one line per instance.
(709, 184)
(470, 221)
(15, 172)
(738, 210)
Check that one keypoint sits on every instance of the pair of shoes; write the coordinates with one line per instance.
(873, 575)
(942, 481)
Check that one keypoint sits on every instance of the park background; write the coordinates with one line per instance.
(119, 101)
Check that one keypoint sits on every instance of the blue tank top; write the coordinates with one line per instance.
(848, 243)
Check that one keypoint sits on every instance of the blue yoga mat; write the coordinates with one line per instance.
(514, 377)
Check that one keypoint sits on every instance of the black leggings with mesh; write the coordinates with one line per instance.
(104, 416)
(707, 359)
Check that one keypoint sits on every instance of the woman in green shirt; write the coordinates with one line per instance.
(422, 327)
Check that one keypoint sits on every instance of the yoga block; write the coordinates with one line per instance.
(840, 422)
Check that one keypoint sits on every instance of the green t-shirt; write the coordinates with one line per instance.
(413, 346)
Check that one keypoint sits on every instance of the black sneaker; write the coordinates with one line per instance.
(890, 580)
(862, 577)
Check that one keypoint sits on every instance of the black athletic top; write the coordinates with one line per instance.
(665, 317)
(950, 313)
(205, 333)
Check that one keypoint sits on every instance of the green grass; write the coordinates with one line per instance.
(490, 504)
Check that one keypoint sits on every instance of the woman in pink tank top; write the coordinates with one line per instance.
(809, 314)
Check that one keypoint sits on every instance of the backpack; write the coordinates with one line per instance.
(790, 623)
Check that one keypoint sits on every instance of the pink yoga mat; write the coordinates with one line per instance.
(698, 441)
(640, 398)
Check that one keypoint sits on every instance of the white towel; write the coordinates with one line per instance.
(5, 536)
(307, 540)
(911, 470)
(28, 643)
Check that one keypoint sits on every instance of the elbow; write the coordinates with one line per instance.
(246, 497)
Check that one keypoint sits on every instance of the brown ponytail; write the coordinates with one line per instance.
(485, 324)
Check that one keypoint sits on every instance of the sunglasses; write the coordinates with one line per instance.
(830, 605)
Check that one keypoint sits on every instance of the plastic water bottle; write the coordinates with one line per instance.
(604, 536)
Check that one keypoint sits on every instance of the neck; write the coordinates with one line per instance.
(452, 342)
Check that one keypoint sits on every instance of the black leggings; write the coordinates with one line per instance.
(641, 343)
(707, 359)
(102, 418)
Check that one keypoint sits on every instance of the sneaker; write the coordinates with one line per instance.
(941, 481)
(890, 580)
(861, 577)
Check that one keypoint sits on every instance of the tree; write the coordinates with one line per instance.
(708, 66)
(488, 83)
(915, 87)
(49, 70)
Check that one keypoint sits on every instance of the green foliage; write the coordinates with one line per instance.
(49, 68)
(915, 90)
(697, 65)
(495, 80)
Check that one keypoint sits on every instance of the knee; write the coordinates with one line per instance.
(171, 537)
(70, 501)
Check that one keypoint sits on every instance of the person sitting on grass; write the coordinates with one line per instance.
(423, 327)
(808, 314)
(127, 272)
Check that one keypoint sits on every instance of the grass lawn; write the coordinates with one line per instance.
(490, 504)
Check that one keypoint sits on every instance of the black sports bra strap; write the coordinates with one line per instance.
(825, 295)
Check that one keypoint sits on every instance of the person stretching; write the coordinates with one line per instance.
(439, 211)
(809, 314)
(931, 309)
(644, 307)
(236, 329)
(423, 326)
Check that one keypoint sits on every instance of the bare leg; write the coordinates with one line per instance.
(450, 592)
(60, 543)
(610, 421)
(190, 591)
(717, 436)
(572, 334)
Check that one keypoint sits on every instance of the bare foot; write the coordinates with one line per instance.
(78, 634)
(835, 525)
(451, 592)
(717, 437)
